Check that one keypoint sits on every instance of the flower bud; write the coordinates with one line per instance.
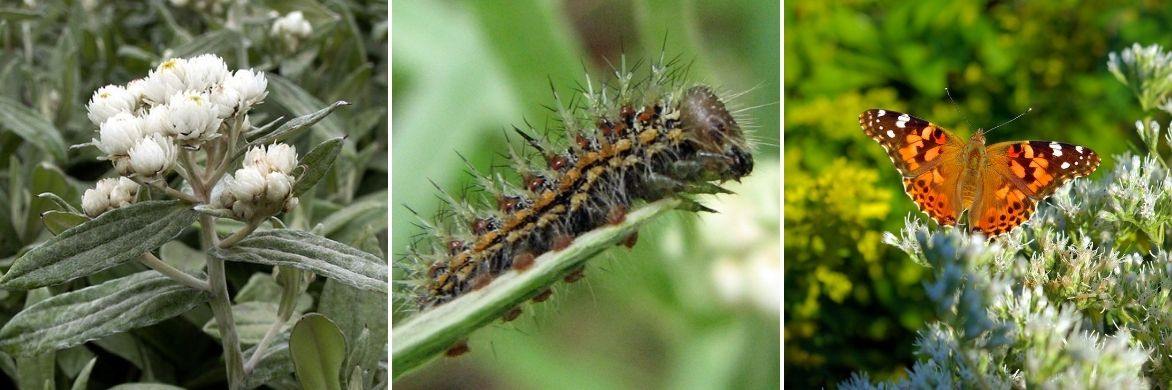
(152, 156)
(107, 194)
(278, 186)
(119, 133)
(291, 29)
(249, 184)
(124, 192)
(94, 202)
(282, 157)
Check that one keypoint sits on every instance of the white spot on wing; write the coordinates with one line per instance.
(902, 120)
(1078, 149)
(882, 112)
(890, 134)
(1056, 148)
(1066, 165)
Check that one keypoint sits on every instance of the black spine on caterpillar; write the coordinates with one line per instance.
(675, 145)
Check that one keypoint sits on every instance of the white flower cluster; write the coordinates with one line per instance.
(110, 193)
(291, 29)
(263, 186)
(182, 102)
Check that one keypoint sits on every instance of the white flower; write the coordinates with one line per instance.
(291, 29)
(243, 90)
(193, 117)
(109, 193)
(278, 186)
(169, 78)
(273, 158)
(293, 25)
(118, 134)
(157, 120)
(282, 157)
(204, 72)
(124, 193)
(249, 184)
(152, 156)
(136, 88)
(251, 193)
(108, 101)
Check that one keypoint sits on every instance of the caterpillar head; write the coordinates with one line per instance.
(718, 139)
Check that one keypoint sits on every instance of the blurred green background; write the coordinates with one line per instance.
(852, 303)
(654, 317)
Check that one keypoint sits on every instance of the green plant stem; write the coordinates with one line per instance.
(431, 332)
(222, 306)
(183, 278)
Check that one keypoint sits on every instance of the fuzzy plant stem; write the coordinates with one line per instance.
(429, 333)
(183, 278)
(222, 306)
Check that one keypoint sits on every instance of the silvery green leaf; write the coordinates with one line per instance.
(307, 251)
(112, 307)
(218, 41)
(60, 221)
(361, 315)
(32, 127)
(318, 349)
(145, 386)
(317, 163)
(83, 378)
(275, 363)
(297, 125)
(111, 239)
(253, 319)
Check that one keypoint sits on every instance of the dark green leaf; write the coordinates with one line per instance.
(111, 239)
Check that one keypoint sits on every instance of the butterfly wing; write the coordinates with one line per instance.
(1021, 173)
(928, 157)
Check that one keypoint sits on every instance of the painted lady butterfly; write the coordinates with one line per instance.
(999, 184)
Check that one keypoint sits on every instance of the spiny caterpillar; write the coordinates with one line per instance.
(634, 141)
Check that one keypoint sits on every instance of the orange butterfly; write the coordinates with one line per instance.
(999, 185)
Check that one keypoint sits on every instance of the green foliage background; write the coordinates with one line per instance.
(466, 71)
(55, 54)
(852, 303)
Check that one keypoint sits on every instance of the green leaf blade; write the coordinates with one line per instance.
(72, 318)
(111, 239)
(307, 251)
(30, 126)
(317, 163)
(318, 349)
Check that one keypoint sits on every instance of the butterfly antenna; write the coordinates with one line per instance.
(957, 107)
(1011, 120)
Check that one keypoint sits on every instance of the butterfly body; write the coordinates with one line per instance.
(999, 185)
